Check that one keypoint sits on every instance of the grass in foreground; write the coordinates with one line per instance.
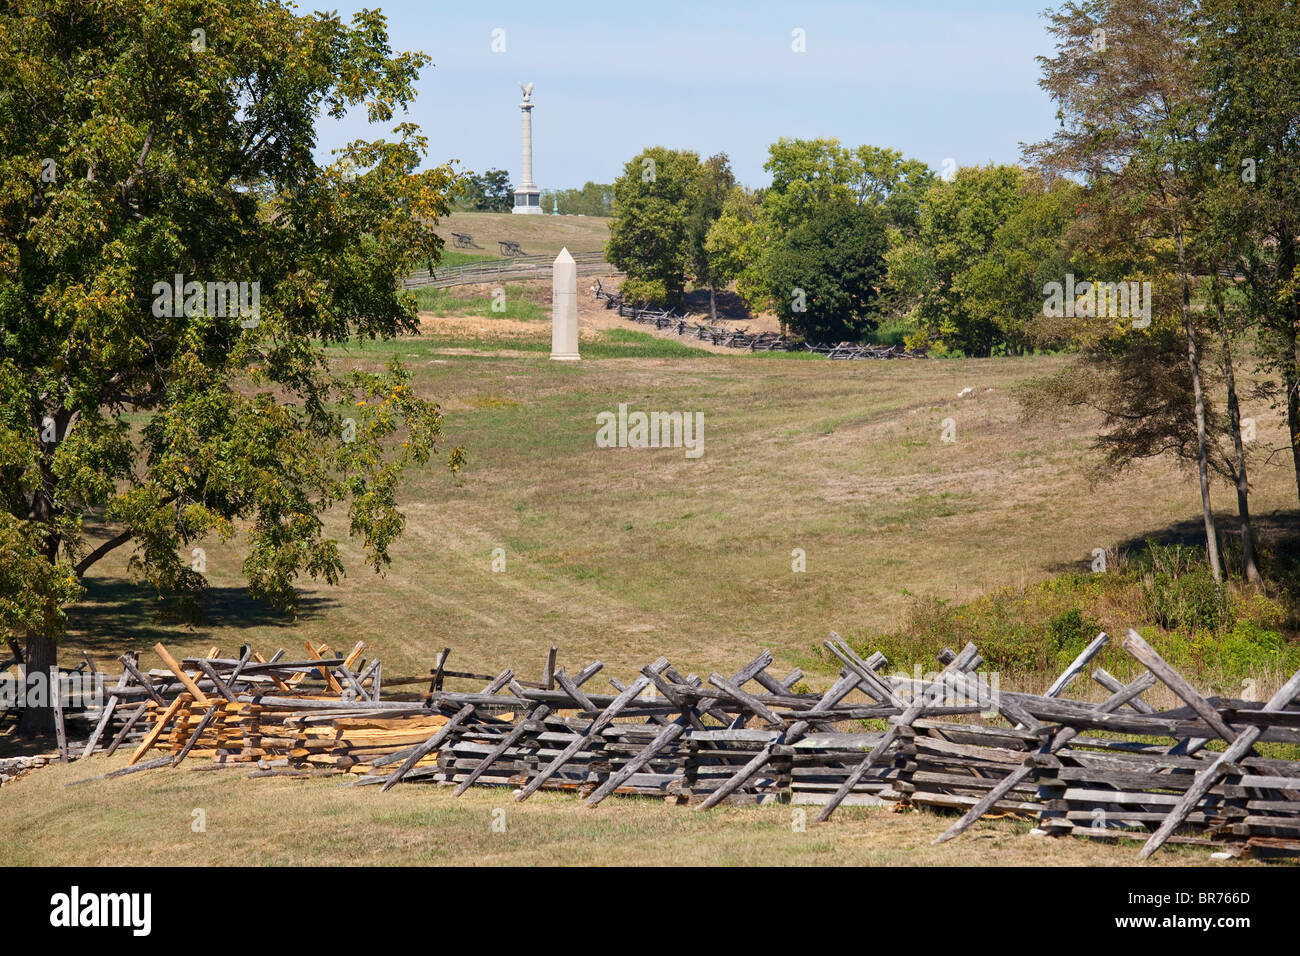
(146, 820)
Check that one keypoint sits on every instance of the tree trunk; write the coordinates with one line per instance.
(1291, 381)
(1289, 322)
(1239, 450)
(713, 302)
(40, 655)
(1198, 393)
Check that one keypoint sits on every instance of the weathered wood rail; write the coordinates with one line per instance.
(743, 338)
(508, 267)
(950, 740)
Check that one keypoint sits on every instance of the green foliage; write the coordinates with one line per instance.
(1069, 632)
(780, 240)
(167, 424)
(593, 199)
(827, 268)
(1003, 290)
(649, 237)
(485, 192)
(1180, 589)
(1166, 593)
(644, 293)
(952, 276)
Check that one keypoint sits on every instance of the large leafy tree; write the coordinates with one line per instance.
(1003, 290)
(714, 181)
(884, 177)
(649, 237)
(1133, 116)
(939, 273)
(149, 150)
(758, 236)
(486, 192)
(830, 267)
(1248, 54)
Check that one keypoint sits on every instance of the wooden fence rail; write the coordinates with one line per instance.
(742, 338)
(951, 740)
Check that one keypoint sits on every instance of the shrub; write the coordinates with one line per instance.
(644, 293)
(1181, 591)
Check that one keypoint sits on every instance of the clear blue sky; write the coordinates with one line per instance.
(936, 80)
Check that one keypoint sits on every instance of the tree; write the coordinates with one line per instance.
(1003, 290)
(732, 242)
(885, 178)
(1140, 385)
(751, 234)
(936, 272)
(806, 173)
(649, 237)
(714, 181)
(593, 199)
(1132, 113)
(173, 264)
(829, 267)
(1249, 57)
(486, 192)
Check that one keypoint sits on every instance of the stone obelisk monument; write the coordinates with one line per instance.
(564, 308)
(528, 198)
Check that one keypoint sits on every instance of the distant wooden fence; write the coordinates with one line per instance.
(513, 267)
(742, 338)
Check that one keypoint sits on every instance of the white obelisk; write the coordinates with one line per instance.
(564, 308)
(528, 198)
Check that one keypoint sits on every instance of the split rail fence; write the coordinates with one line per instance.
(952, 740)
(510, 267)
(743, 338)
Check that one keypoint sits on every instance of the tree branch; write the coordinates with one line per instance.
(111, 544)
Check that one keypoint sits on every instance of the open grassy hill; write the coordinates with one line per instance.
(624, 554)
(535, 234)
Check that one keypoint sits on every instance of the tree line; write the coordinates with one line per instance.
(1154, 234)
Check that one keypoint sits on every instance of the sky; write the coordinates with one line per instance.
(938, 80)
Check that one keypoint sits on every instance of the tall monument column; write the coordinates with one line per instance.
(528, 198)
(564, 308)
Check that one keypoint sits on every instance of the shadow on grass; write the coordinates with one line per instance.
(118, 615)
(1277, 533)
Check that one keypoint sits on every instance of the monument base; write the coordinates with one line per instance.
(566, 357)
(528, 200)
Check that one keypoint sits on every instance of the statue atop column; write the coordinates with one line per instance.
(528, 198)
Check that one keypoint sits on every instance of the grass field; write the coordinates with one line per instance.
(147, 821)
(535, 234)
(624, 554)
(512, 301)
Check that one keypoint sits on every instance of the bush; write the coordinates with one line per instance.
(1181, 591)
(644, 293)
(1070, 632)
(1217, 638)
